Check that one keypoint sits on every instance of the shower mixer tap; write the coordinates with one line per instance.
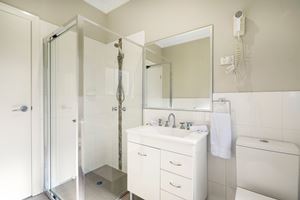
(115, 108)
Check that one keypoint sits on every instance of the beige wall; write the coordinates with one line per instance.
(272, 42)
(58, 11)
(153, 53)
(190, 69)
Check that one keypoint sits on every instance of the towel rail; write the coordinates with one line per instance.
(224, 101)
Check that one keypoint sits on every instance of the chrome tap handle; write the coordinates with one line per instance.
(167, 124)
(182, 125)
(114, 108)
(188, 125)
(160, 122)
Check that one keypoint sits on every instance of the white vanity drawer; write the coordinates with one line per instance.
(167, 196)
(176, 163)
(177, 185)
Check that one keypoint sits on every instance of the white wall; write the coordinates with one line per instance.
(271, 115)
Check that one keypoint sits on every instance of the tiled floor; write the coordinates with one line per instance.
(43, 197)
(38, 197)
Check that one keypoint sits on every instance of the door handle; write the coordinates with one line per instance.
(21, 108)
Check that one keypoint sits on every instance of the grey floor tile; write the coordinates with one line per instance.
(38, 197)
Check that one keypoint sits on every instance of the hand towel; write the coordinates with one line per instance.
(220, 136)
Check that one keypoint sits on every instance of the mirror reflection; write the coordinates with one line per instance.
(178, 71)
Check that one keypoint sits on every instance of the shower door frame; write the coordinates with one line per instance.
(78, 23)
(75, 22)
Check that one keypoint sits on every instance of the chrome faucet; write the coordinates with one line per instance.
(174, 120)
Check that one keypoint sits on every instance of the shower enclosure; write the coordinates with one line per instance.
(93, 92)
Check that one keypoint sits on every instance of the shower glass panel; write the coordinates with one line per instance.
(94, 94)
(62, 113)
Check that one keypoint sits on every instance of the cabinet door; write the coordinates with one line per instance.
(144, 171)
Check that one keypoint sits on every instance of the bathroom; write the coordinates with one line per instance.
(100, 87)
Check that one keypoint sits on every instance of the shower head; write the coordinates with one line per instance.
(148, 66)
(116, 45)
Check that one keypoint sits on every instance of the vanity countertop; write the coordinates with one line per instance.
(165, 137)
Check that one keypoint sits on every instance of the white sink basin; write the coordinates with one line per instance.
(164, 137)
(162, 131)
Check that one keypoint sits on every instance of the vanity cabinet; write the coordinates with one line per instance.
(144, 170)
(164, 168)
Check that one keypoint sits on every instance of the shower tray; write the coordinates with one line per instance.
(103, 183)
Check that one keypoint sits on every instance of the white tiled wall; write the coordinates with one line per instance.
(272, 115)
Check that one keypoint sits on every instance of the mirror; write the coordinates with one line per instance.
(178, 72)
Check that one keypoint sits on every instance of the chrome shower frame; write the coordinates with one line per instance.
(78, 23)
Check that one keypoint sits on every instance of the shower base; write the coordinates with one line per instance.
(104, 183)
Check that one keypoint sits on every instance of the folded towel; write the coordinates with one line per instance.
(220, 136)
(199, 128)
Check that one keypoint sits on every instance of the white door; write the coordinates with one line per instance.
(15, 106)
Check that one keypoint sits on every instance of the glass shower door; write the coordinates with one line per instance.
(93, 94)
(61, 146)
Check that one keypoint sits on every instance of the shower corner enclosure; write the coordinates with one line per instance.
(92, 93)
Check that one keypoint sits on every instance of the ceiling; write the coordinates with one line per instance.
(106, 6)
(185, 37)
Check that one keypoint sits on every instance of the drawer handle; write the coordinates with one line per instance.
(175, 164)
(174, 185)
(142, 154)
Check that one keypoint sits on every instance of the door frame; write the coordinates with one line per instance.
(36, 99)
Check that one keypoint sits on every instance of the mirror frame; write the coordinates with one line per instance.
(211, 27)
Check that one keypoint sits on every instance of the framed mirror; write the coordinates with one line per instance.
(178, 71)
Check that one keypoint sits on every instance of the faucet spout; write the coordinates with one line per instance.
(174, 119)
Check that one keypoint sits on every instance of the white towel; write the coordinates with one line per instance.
(220, 137)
